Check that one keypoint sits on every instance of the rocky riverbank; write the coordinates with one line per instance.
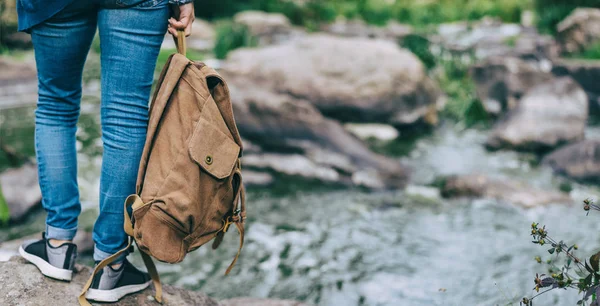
(22, 284)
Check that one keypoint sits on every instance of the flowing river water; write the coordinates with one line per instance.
(347, 248)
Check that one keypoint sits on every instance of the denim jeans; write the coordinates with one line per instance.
(131, 33)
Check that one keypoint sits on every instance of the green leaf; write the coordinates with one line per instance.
(4, 212)
(588, 280)
(587, 267)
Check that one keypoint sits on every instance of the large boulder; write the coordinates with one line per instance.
(478, 185)
(587, 74)
(314, 146)
(502, 81)
(579, 30)
(580, 161)
(351, 79)
(22, 284)
(549, 115)
(21, 190)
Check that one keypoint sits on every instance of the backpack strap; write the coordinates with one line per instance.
(134, 201)
(180, 42)
(237, 218)
(240, 227)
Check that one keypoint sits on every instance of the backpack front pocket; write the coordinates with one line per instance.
(158, 235)
(214, 151)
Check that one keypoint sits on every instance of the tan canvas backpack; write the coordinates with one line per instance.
(189, 185)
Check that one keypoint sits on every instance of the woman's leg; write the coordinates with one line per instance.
(130, 41)
(61, 46)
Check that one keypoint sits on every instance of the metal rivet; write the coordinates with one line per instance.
(208, 159)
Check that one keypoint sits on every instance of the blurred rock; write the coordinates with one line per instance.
(476, 185)
(18, 84)
(269, 28)
(372, 130)
(425, 192)
(259, 302)
(351, 79)
(21, 283)
(256, 178)
(251, 147)
(549, 115)
(491, 37)
(531, 45)
(307, 144)
(580, 161)
(502, 81)
(291, 164)
(358, 28)
(83, 240)
(587, 74)
(21, 190)
(579, 30)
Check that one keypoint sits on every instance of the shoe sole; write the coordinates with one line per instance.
(46, 268)
(113, 295)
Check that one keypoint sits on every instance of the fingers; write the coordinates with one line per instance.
(183, 17)
(172, 31)
(188, 30)
(178, 24)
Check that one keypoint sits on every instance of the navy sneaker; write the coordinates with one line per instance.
(55, 262)
(110, 285)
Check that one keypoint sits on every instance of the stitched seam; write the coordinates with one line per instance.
(194, 88)
(168, 221)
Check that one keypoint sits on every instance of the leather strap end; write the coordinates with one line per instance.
(240, 227)
(154, 275)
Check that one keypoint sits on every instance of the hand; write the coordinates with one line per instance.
(183, 17)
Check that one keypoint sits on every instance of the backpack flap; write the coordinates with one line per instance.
(213, 150)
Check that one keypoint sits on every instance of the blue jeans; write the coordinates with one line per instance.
(130, 40)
